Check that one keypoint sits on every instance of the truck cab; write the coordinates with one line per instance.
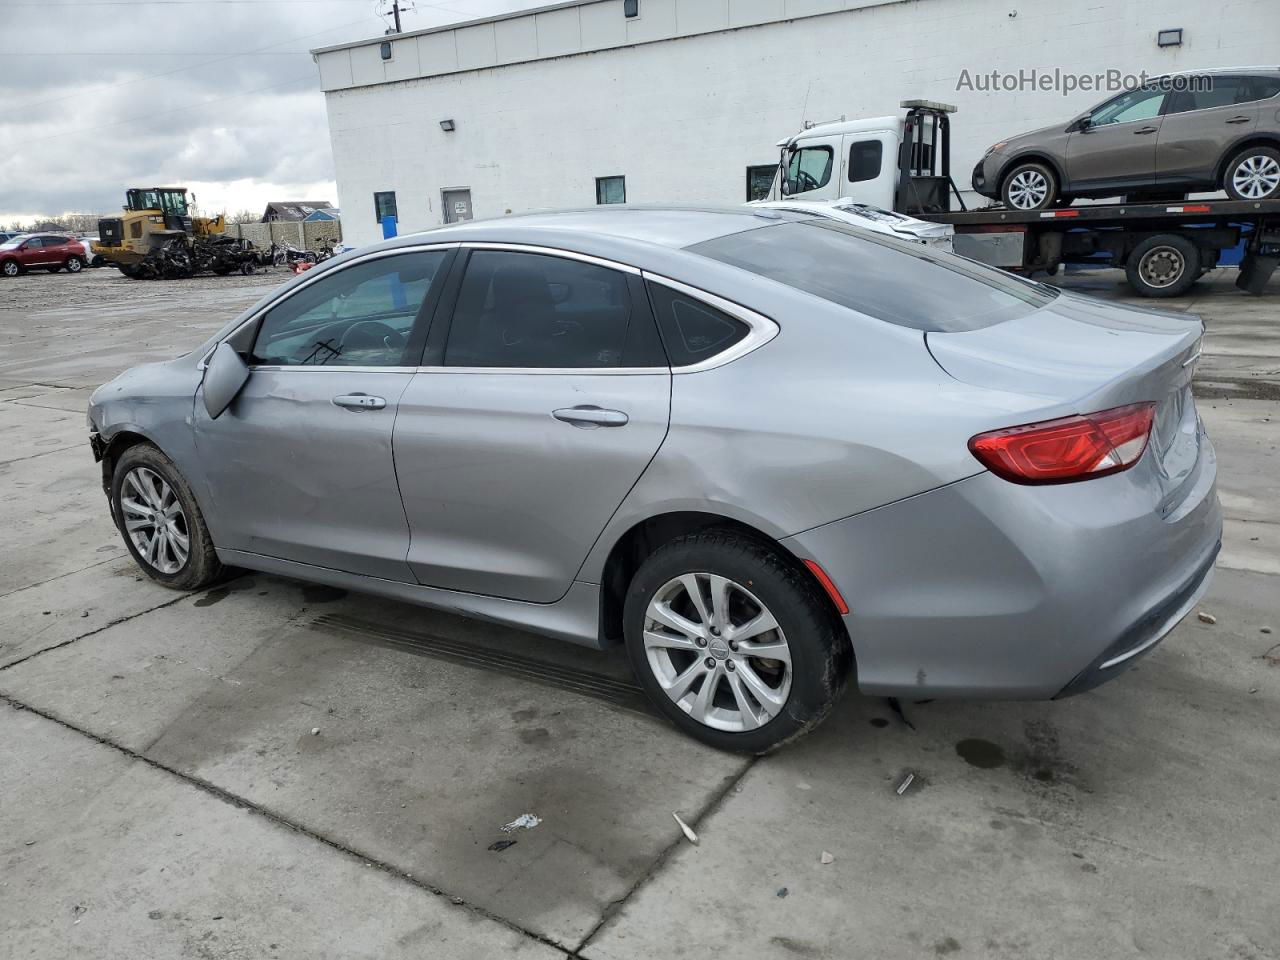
(898, 163)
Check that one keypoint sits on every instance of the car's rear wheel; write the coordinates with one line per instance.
(1029, 186)
(1253, 174)
(733, 641)
(160, 521)
(74, 264)
(1165, 265)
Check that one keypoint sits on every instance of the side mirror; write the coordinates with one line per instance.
(1082, 125)
(224, 375)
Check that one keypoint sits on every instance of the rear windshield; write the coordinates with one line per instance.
(884, 277)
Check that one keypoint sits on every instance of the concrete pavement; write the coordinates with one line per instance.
(162, 792)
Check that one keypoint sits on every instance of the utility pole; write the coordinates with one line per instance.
(395, 9)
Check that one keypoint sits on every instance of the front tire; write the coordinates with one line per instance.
(74, 264)
(1029, 186)
(10, 268)
(733, 641)
(1253, 174)
(160, 522)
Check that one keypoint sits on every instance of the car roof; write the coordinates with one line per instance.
(673, 227)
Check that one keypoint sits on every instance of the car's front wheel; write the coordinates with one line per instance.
(10, 268)
(733, 641)
(74, 264)
(162, 526)
(1253, 174)
(1029, 186)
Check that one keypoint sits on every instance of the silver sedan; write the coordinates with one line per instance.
(765, 451)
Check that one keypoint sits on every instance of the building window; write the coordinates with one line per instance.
(611, 189)
(384, 205)
(760, 181)
(864, 160)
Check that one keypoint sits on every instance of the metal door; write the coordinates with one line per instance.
(457, 205)
(1199, 126)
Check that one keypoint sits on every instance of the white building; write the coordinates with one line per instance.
(577, 103)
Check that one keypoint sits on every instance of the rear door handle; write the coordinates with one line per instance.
(359, 401)
(591, 416)
(1145, 130)
(1239, 120)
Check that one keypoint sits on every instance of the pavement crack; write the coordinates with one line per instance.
(242, 803)
(42, 453)
(69, 573)
(713, 804)
(106, 626)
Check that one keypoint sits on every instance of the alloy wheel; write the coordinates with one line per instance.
(73, 265)
(1256, 177)
(1028, 189)
(717, 652)
(10, 269)
(154, 520)
(1162, 266)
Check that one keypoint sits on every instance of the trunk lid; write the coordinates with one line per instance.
(1081, 356)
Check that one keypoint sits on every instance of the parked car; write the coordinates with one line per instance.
(1181, 133)
(53, 253)
(758, 448)
(848, 210)
(6, 236)
(91, 259)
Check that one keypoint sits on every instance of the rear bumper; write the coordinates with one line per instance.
(989, 589)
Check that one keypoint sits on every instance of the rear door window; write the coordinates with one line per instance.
(539, 311)
(881, 276)
(692, 331)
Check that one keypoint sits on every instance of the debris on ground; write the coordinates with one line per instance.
(526, 821)
(315, 731)
(1271, 655)
(1207, 617)
(826, 858)
(686, 829)
(499, 845)
(782, 892)
(905, 784)
(896, 706)
(1264, 629)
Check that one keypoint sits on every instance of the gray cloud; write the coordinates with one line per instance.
(237, 98)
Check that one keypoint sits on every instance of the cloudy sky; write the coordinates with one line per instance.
(220, 96)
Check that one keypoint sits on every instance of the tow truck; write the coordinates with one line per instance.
(903, 163)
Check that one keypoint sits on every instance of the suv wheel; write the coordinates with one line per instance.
(162, 526)
(733, 642)
(1029, 186)
(1253, 174)
(74, 264)
(10, 268)
(1163, 266)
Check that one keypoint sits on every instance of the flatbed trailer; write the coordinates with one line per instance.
(1162, 247)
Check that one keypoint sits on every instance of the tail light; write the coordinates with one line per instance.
(1069, 449)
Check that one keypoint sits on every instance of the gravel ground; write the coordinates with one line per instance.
(45, 291)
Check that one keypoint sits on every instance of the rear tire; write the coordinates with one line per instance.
(1029, 186)
(1253, 174)
(1165, 265)
(161, 524)
(689, 675)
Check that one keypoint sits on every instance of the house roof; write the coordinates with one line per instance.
(295, 209)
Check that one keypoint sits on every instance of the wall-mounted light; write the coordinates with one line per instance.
(447, 126)
(384, 49)
(1170, 38)
(630, 8)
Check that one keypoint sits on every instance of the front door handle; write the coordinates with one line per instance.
(591, 416)
(359, 401)
(1138, 133)
(1239, 120)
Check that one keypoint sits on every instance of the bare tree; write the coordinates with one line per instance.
(244, 216)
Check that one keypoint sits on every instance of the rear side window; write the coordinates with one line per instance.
(864, 160)
(538, 311)
(881, 276)
(1264, 88)
(691, 330)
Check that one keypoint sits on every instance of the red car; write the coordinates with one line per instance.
(50, 251)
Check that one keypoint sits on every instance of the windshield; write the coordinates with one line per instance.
(880, 275)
